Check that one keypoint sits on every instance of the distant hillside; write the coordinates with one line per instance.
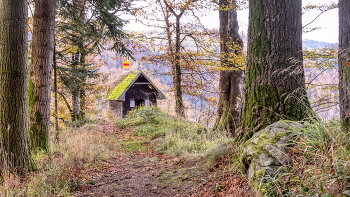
(313, 44)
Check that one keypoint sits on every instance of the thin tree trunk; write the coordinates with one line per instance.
(230, 93)
(14, 113)
(57, 134)
(41, 73)
(82, 103)
(67, 104)
(82, 90)
(76, 104)
(275, 80)
(344, 57)
(75, 91)
(179, 107)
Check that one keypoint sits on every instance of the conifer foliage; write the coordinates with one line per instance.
(86, 27)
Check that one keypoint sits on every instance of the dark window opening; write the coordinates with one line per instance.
(139, 102)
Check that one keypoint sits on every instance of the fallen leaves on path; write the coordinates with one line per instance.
(146, 172)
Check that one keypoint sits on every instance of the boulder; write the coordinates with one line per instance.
(266, 152)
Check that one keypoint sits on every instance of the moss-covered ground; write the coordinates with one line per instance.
(318, 163)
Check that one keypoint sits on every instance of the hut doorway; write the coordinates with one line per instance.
(139, 102)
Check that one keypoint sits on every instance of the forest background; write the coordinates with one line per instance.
(89, 39)
(320, 37)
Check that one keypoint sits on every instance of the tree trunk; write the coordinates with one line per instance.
(82, 103)
(41, 73)
(76, 104)
(175, 65)
(82, 90)
(14, 125)
(179, 107)
(76, 89)
(344, 70)
(275, 80)
(230, 93)
(57, 134)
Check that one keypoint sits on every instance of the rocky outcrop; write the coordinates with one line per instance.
(266, 152)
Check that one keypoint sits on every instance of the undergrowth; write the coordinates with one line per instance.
(318, 164)
(58, 172)
(173, 135)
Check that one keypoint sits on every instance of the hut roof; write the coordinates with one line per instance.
(123, 83)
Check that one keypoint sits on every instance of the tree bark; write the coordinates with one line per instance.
(76, 104)
(344, 70)
(82, 103)
(230, 93)
(275, 80)
(57, 134)
(179, 107)
(82, 90)
(41, 73)
(14, 125)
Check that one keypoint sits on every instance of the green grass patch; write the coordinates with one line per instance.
(175, 136)
(132, 146)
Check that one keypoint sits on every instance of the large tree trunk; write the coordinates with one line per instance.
(14, 125)
(41, 73)
(344, 57)
(230, 94)
(275, 80)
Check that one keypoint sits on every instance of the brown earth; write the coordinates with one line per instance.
(138, 170)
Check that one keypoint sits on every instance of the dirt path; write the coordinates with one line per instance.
(140, 171)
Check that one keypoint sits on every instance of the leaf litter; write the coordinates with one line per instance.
(139, 170)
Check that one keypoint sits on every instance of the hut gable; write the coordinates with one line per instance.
(126, 80)
(132, 89)
(122, 83)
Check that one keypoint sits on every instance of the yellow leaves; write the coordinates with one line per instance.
(347, 63)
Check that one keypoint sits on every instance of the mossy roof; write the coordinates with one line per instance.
(122, 83)
(125, 80)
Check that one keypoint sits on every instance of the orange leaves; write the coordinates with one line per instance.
(347, 63)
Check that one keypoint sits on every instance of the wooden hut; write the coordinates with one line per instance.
(131, 90)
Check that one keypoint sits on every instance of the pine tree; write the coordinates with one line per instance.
(87, 26)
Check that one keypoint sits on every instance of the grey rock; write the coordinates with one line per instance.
(266, 151)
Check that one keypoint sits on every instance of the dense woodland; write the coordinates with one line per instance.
(266, 111)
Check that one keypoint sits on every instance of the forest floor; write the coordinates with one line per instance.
(139, 170)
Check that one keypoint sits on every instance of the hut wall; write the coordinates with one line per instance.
(117, 108)
(139, 92)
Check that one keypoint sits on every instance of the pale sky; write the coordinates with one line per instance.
(327, 21)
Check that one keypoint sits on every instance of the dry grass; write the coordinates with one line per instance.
(60, 170)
